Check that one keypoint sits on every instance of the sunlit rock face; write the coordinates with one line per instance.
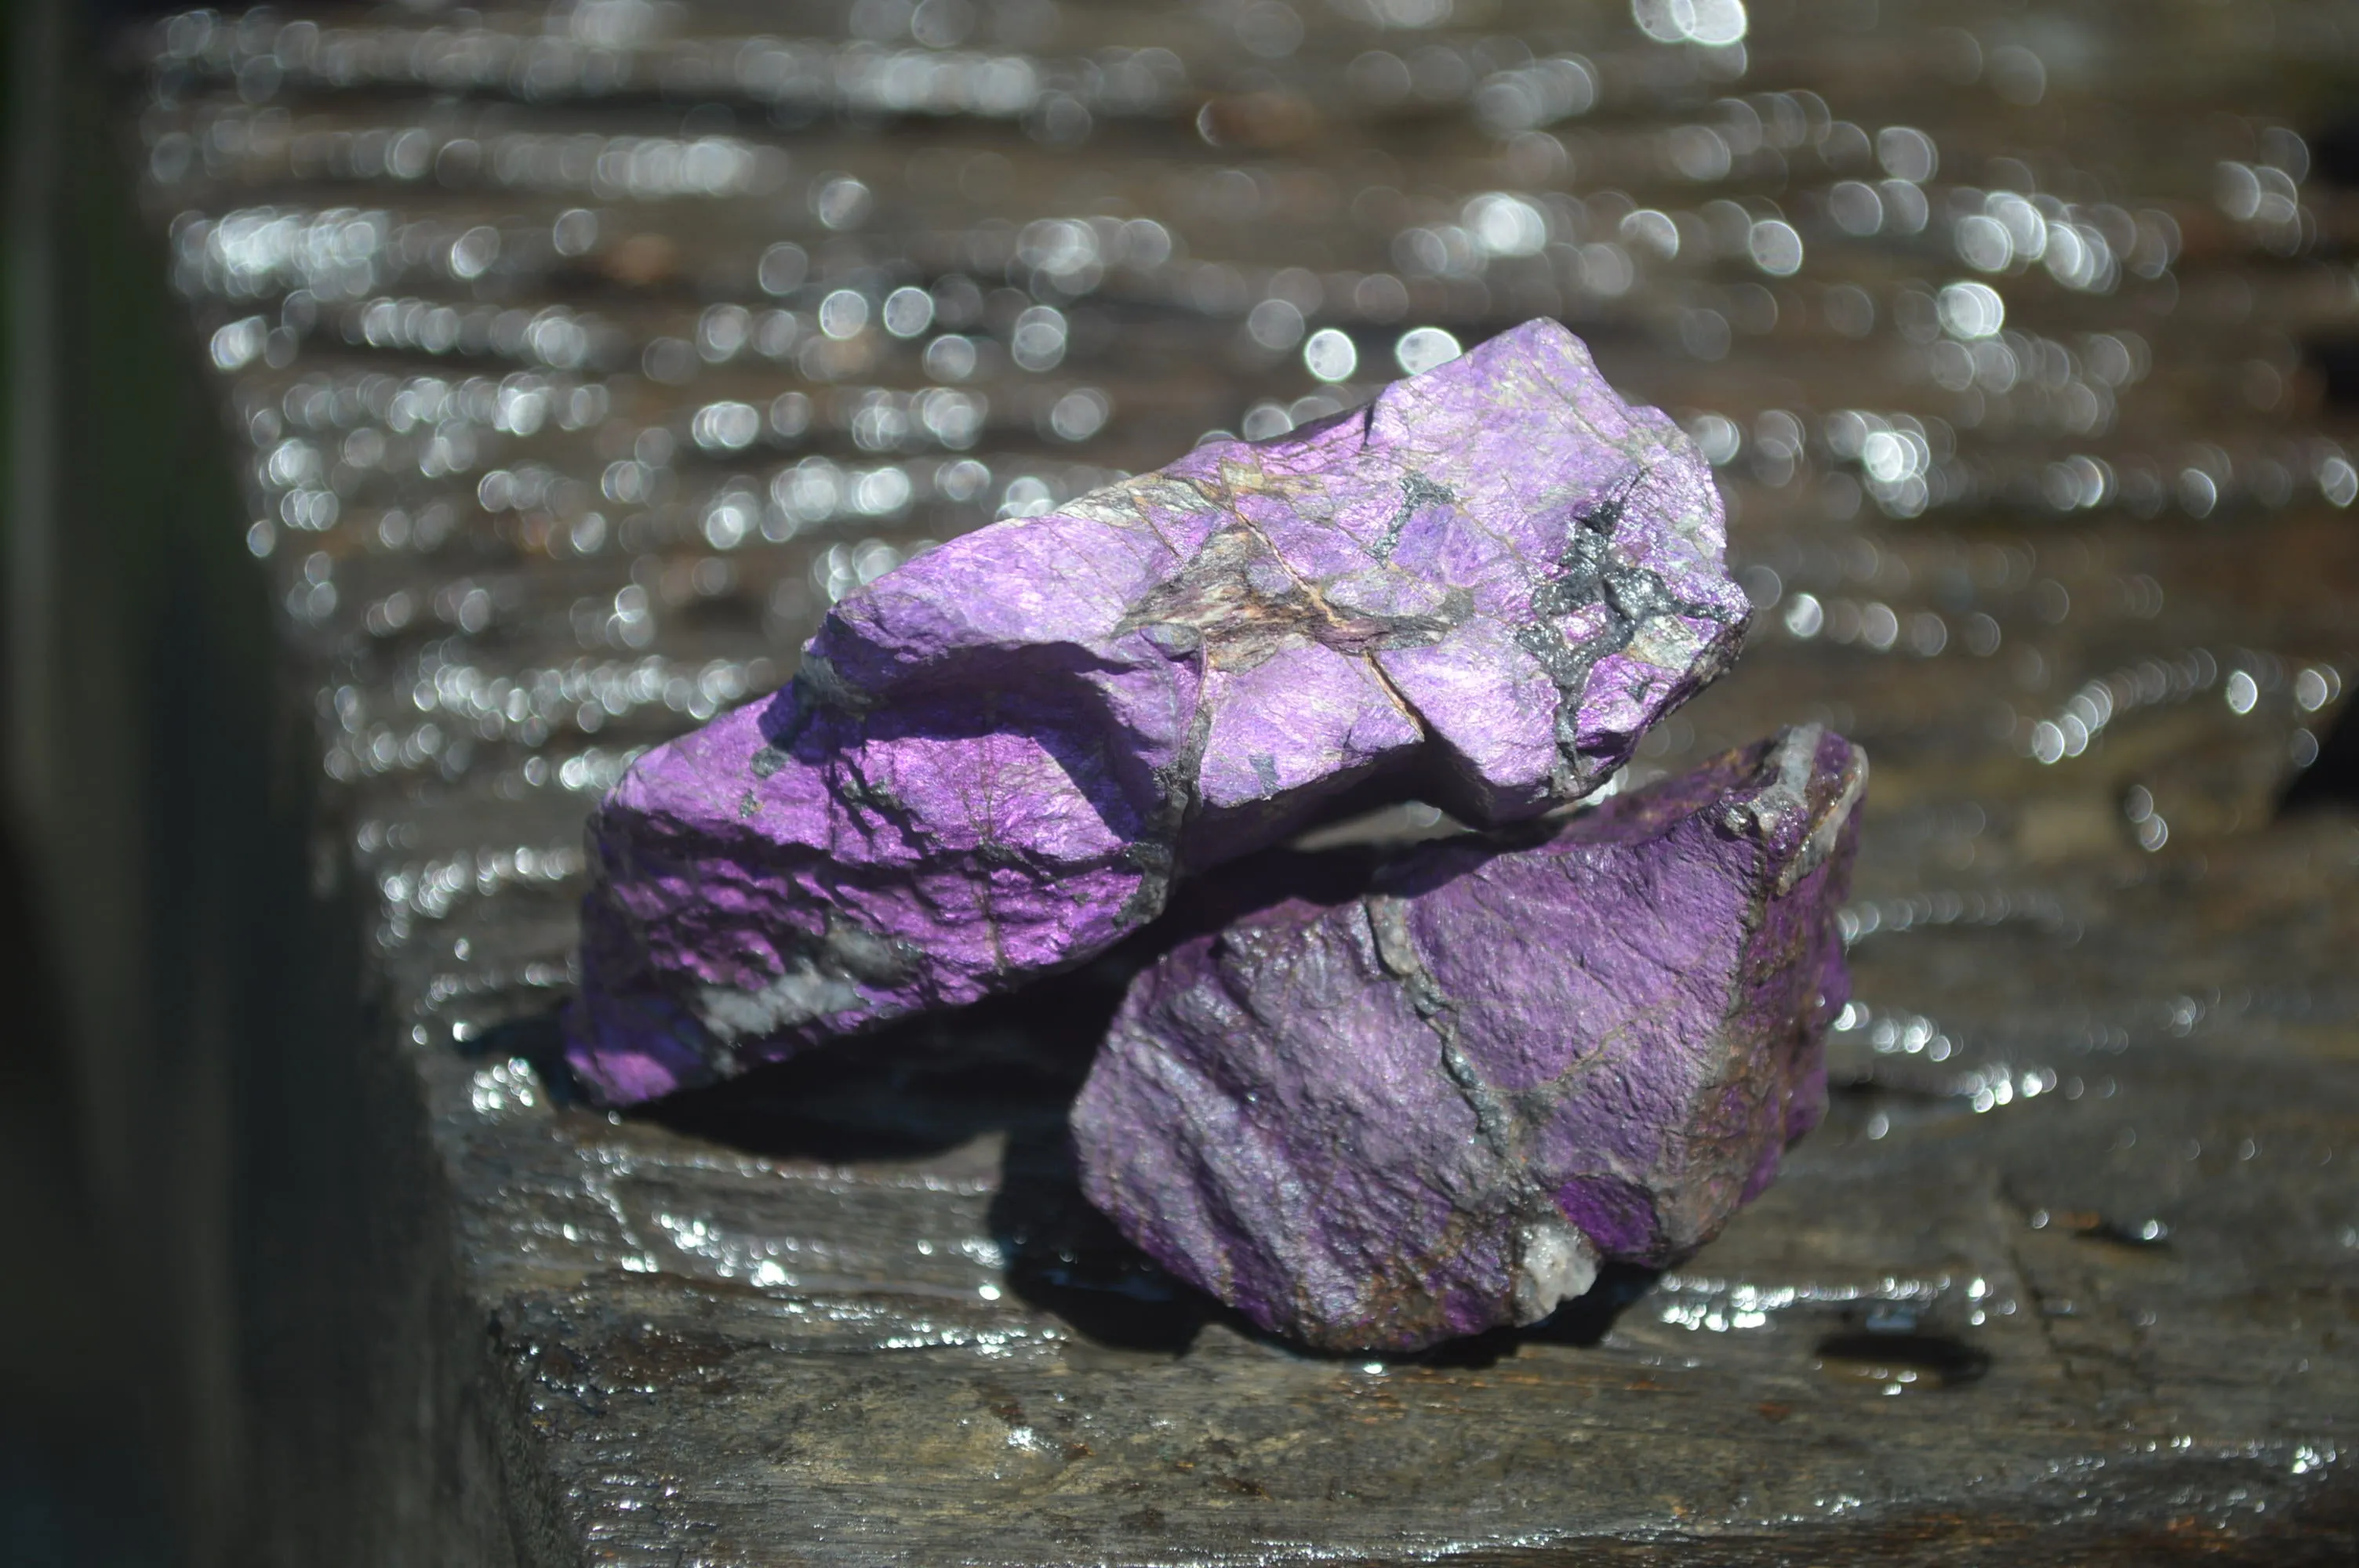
(1479, 590)
(1436, 1108)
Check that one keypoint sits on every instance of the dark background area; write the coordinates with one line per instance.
(77, 1460)
(76, 1465)
(133, 767)
(79, 1478)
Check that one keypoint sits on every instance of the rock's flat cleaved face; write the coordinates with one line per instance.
(1434, 1109)
(1479, 590)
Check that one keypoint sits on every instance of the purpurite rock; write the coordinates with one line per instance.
(1434, 1109)
(1478, 590)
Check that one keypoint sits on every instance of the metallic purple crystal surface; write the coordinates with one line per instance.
(1479, 590)
(1434, 1109)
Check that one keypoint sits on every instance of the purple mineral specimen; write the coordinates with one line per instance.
(1434, 1109)
(1478, 590)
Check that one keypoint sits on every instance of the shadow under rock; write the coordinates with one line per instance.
(1068, 1260)
(919, 1087)
(1011, 1066)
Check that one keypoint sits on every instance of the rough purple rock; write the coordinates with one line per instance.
(1434, 1109)
(1479, 590)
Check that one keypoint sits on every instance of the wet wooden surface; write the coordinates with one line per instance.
(2072, 1273)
